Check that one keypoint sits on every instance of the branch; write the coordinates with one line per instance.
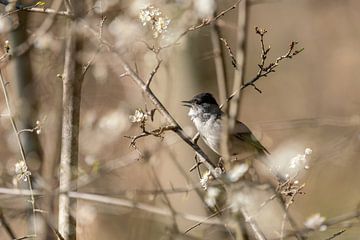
(72, 82)
(204, 22)
(265, 70)
(153, 72)
(141, 206)
(21, 149)
(327, 223)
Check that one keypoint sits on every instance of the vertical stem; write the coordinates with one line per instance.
(240, 59)
(221, 77)
(219, 62)
(72, 81)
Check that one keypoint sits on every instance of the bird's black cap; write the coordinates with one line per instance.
(201, 99)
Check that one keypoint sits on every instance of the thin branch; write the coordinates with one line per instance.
(205, 22)
(221, 78)
(21, 149)
(242, 27)
(168, 203)
(141, 206)
(209, 217)
(153, 72)
(335, 235)
(265, 70)
(330, 222)
(156, 133)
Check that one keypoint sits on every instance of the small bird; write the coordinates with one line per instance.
(206, 115)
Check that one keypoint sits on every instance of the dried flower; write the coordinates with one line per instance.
(315, 221)
(139, 116)
(158, 22)
(21, 171)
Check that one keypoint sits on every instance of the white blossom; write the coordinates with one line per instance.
(205, 8)
(300, 159)
(237, 172)
(21, 170)
(139, 116)
(204, 179)
(211, 195)
(315, 221)
(155, 18)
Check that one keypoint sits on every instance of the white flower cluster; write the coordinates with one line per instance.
(21, 171)
(158, 22)
(315, 221)
(139, 116)
(301, 159)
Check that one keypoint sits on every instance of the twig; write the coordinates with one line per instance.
(204, 22)
(264, 70)
(156, 133)
(141, 206)
(327, 223)
(231, 54)
(219, 61)
(21, 149)
(209, 217)
(221, 78)
(336, 234)
(242, 27)
(173, 212)
(153, 72)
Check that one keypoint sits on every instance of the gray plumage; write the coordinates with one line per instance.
(206, 116)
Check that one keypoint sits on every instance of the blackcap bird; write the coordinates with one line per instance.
(206, 115)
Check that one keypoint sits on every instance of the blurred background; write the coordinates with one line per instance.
(311, 101)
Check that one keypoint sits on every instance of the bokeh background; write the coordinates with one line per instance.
(311, 101)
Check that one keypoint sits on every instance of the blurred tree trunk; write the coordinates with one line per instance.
(26, 99)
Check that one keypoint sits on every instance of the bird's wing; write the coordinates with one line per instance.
(242, 132)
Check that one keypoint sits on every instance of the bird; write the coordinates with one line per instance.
(207, 117)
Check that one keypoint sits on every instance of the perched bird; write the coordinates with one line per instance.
(206, 115)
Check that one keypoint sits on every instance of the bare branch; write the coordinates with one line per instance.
(153, 72)
(204, 22)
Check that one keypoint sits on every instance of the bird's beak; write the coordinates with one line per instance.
(186, 103)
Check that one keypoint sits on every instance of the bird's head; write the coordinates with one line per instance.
(202, 104)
